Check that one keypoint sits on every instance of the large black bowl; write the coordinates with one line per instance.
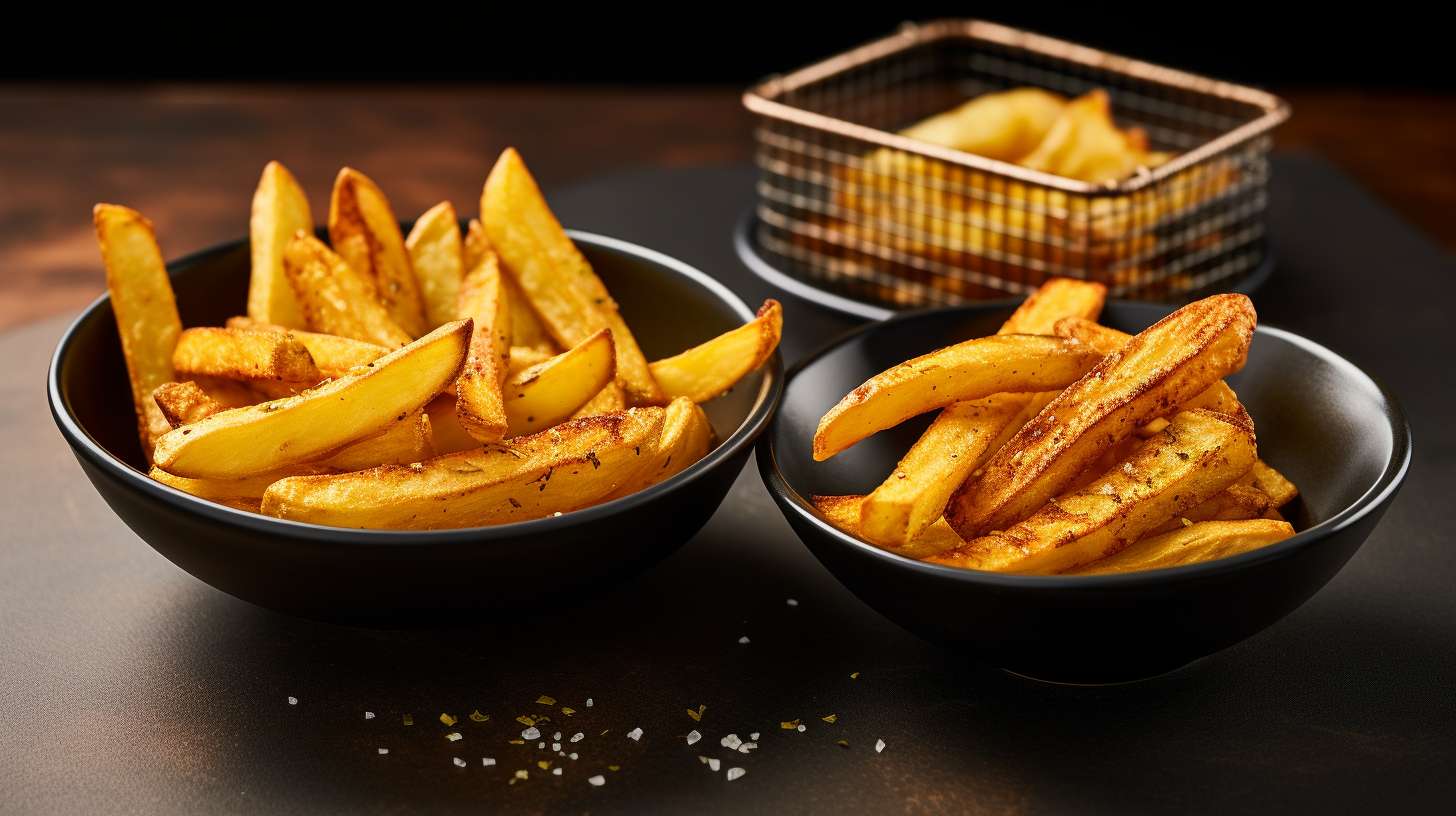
(388, 576)
(1329, 427)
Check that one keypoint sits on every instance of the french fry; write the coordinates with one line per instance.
(526, 328)
(607, 401)
(1157, 371)
(1234, 503)
(550, 392)
(523, 357)
(434, 249)
(710, 369)
(365, 233)
(1271, 483)
(401, 443)
(556, 279)
(336, 299)
(274, 435)
(448, 435)
(1085, 144)
(334, 355)
(564, 468)
(280, 210)
(1204, 541)
(845, 513)
(243, 354)
(686, 437)
(1006, 125)
(1199, 454)
(965, 371)
(240, 494)
(964, 436)
(480, 401)
(183, 403)
(145, 309)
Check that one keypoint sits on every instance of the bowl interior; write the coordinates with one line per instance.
(1320, 420)
(669, 307)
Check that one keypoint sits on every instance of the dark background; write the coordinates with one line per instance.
(1387, 46)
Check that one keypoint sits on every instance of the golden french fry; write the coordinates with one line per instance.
(448, 435)
(1271, 483)
(336, 299)
(1005, 126)
(1204, 541)
(434, 249)
(146, 311)
(710, 369)
(366, 234)
(965, 371)
(241, 494)
(243, 354)
(280, 211)
(1085, 144)
(555, 277)
(560, 469)
(334, 355)
(480, 399)
(686, 437)
(261, 438)
(1157, 371)
(607, 401)
(526, 328)
(183, 403)
(523, 357)
(402, 442)
(1234, 503)
(1200, 454)
(965, 435)
(550, 392)
(845, 513)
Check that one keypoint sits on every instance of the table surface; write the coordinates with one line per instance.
(189, 156)
(128, 686)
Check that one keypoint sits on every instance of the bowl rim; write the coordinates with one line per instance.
(1368, 502)
(765, 405)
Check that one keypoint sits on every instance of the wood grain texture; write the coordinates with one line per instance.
(189, 156)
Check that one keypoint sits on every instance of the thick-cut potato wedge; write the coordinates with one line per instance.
(183, 403)
(1085, 144)
(845, 512)
(523, 357)
(686, 437)
(241, 494)
(1204, 541)
(334, 355)
(965, 435)
(1234, 503)
(1199, 454)
(335, 299)
(526, 328)
(448, 434)
(434, 248)
(551, 392)
(1156, 372)
(243, 354)
(709, 370)
(146, 311)
(366, 234)
(965, 371)
(280, 211)
(555, 277)
(273, 435)
(607, 401)
(480, 400)
(1271, 483)
(564, 468)
(403, 442)
(1006, 125)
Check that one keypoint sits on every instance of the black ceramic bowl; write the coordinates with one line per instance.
(1330, 428)
(388, 576)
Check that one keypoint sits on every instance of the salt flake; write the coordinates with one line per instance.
(693, 736)
(578, 737)
(453, 736)
(731, 742)
(383, 751)
(369, 715)
(743, 640)
(635, 735)
(735, 773)
(293, 701)
(792, 602)
(531, 733)
(487, 761)
(597, 781)
(459, 763)
(879, 746)
(714, 764)
(556, 772)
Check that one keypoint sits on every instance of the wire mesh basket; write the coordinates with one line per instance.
(849, 206)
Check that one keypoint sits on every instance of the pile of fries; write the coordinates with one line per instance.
(437, 380)
(1064, 446)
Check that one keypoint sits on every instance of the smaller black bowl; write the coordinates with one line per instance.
(383, 576)
(1324, 423)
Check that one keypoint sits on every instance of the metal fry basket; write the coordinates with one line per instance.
(850, 207)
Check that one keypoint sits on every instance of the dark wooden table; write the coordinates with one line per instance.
(189, 156)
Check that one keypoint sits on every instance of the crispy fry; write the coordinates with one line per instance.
(1156, 372)
(1006, 125)
(1271, 483)
(261, 438)
(334, 355)
(564, 468)
(556, 279)
(526, 328)
(183, 403)
(402, 442)
(146, 312)
(480, 400)
(335, 299)
(240, 494)
(365, 233)
(448, 435)
(607, 401)
(1234, 503)
(965, 371)
(964, 436)
(1204, 541)
(686, 437)
(243, 354)
(845, 512)
(550, 392)
(710, 369)
(523, 357)
(1085, 144)
(1200, 454)
(280, 210)
(434, 248)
